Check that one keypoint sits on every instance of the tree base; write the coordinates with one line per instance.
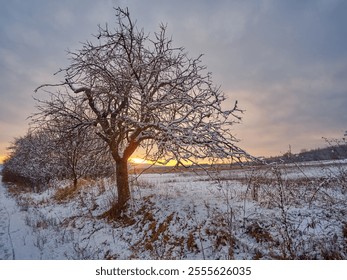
(118, 213)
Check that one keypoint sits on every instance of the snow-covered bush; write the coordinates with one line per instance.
(44, 155)
(30, 162)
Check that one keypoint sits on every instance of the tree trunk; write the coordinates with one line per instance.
(119, 206)
(122, 184)
(75, 181)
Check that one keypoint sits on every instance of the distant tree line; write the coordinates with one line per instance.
(336, 149)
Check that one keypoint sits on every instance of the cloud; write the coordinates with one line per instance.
(35, 36)
(284, 61)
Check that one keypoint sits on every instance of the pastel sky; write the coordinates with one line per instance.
(285, 61)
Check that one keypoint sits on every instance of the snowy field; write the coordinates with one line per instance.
(268, 212)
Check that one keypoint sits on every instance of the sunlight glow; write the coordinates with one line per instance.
(137, 160)
(2, 158)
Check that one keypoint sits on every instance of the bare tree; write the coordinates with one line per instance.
(79, 153)
(140, 92)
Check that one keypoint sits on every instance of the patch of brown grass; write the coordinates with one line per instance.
(65, 193)
(258, 233)
(70, 191)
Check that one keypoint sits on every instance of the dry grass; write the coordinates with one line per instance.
(258, 233)
(70, 191)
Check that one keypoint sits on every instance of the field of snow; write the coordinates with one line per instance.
(265, 212)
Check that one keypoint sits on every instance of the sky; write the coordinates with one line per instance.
(285, 62)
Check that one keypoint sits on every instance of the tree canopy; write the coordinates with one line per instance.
(138, 91)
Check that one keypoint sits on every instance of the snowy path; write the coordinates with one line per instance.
(16, 238)
(6, 248)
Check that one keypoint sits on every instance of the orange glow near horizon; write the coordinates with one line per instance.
(138, 160)
(2, 158)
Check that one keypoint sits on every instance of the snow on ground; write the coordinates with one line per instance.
(271, 212)
(16, 238)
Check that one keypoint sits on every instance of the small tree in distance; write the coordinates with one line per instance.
(138, 91)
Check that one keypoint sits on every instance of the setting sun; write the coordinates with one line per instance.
(137, 160)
